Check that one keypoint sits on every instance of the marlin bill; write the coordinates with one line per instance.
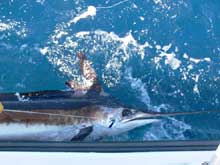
(85, 112)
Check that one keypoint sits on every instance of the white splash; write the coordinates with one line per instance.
(139, 86)
(60, 34)
(157, 1)
(18, 28)
(196, 88)
(186, 56)
(44, 50)
(190, 67)
(123, 48)
(196, 60)
(141, 18)
(187, 71)
(166, 47)
(207, 59)
(40, 1)
(21, 98)
(158, 47)
(170, 58)
(91, 11)
(82, 33)
(161, 4)
(4, 26)
(116, 50)
(167, 130)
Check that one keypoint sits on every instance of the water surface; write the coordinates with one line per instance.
(153, 54)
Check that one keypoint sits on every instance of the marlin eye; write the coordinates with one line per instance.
(126, 112)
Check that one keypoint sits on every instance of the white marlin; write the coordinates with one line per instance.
(67, 115)
(90, 122)
(82, 114)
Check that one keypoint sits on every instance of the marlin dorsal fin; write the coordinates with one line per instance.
(90, 81)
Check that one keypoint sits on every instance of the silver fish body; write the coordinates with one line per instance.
(63, 117)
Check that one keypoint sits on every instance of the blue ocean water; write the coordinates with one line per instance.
(161, 55)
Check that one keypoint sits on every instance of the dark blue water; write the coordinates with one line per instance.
(158, 54)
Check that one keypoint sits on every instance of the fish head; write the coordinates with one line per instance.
(120, 120)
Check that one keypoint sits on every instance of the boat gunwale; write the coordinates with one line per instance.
(110, 147)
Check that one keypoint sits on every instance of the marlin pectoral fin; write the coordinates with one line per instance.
(83, 133)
